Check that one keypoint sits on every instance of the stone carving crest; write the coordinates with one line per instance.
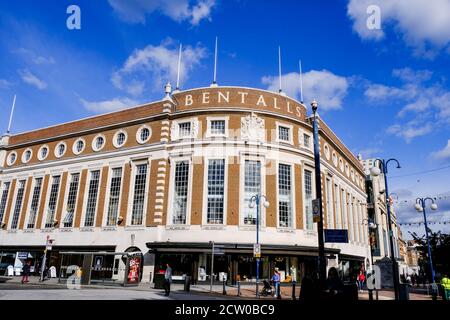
(252, 128)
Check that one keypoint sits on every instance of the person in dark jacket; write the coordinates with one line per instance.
(26, 272)
(334, 287)
(167, 279)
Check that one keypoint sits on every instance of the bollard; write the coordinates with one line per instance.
(239, 288)
(370, 295)
(293, 290)
(224, 289)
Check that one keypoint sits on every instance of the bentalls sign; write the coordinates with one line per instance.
(223, 97)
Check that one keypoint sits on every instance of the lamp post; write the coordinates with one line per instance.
(256, 200)
(420, 207)
(371, 226)
(381, 166)
(321, 262)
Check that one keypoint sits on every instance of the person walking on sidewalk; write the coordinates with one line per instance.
(446, 286)
(167, 279)
(26, 272)
(276, 282)
(361, 281)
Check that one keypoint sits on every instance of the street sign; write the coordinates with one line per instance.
(257, 250)
(316, 210)
(336, 236)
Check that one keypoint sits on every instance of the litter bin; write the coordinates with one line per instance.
(159, 281)
(187, 283)
(403, 292)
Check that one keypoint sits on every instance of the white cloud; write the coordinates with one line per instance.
(410, 75)
(423, 24)
(410, 130)
(324, 86)
(153, 66)
(31, 79)
(443, 154)
(4, 84)
(108, 105)
(136, 11)
(369, 153)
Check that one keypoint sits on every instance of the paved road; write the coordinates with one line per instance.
(18, 291)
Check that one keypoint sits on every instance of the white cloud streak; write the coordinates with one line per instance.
(424, 25)
(108, 105)
(136, 11)
(326, 87)
(443, 154)
(153, 66)
(31, 79)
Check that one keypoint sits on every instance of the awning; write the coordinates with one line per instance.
(228, 248)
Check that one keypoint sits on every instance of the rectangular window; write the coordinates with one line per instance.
(330, 217)
(114, 197)
(350, 217)
(344, 210)
(185, 130)
(52, 201)
(91, 206)
(308, 200)
(18, 205)
(217, 127)
(4, 199)
(34, 203)
(71, 200)
(140, 183)
(284, 134)
(252, 187)
(285, 196)
(307, 140)
(216, 189)
(337, 205)
(181, 188)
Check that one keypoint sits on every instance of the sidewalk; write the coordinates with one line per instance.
(247, 292)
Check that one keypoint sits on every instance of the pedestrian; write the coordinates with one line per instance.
(413, 280)
(361, 281)
(26, 272)
(445, 282)
(334, 287)
(167, 279)
(276, 283)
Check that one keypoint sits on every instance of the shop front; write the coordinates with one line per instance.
(235, 262)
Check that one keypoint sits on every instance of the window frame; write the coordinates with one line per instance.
(56, 151)
(115, 137)
(26, 151)
(8, 160)
(209, 133)
(14, 202)
(134, 165)
(30, 202)
(205, 191)
(74, 146)
(39, 154)
(263, 212)
(139, 131)
(94, 143)
(292, 196)
(291, 132)
(66, 198)
(111, 169)
(48, 196)
(86, 196)
(310, 168)
(170, 207)
(7, 197)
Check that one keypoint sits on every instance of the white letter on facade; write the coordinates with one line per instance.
(189, 100)
(224, 97)
(205, 98)
(261, 101)
(243, 96)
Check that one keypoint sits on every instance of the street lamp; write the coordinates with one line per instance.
(381, 167)
(371, 226)
(420, 207)
(256, 201)
(321, 262)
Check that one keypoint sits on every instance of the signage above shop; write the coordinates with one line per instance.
(336, 236)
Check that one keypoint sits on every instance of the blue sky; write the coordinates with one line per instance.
(385, 92)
